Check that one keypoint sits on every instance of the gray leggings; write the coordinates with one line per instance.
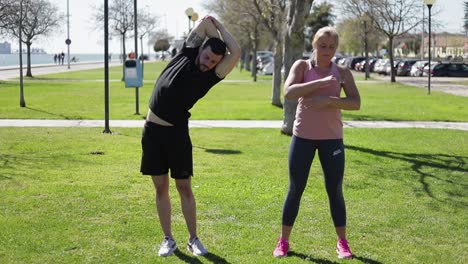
(331, 155)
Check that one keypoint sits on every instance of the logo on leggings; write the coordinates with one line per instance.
(336, 152)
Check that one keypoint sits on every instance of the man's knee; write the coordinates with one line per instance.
(161, 184)
(184, 188)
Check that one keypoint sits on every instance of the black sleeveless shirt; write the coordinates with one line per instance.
(180, 85)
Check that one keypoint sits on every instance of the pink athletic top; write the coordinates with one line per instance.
(322, 123)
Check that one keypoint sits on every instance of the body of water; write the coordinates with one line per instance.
(36, 59)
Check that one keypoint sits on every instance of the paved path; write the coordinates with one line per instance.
(13, 72)
(227, 124)
(442, 84)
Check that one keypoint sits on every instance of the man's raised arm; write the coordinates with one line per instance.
(230, 60)
(202, 30)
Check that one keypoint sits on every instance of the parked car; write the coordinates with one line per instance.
(268, 68)
(404, 67)
(380, 66)
(351, 61)
(450, 70)
(362, 65)
(426, 67)
(262, 61)
(263, 58)
(417, 68)
(388, 69)
(262, 53)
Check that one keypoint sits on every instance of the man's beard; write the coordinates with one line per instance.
(203, 68)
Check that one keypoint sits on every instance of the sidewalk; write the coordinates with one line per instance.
(451, 85)
(11, 72)
(226, 124)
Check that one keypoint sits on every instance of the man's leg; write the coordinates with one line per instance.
(188, 204)
(163, 203)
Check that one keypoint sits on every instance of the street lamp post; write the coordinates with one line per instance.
(194, 18)
(67, 41)
(135, 17)
(429, 4)
(22, 102)
(106, 68)
(189, 12)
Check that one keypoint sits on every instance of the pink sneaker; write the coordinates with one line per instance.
(343, 250)
(282, 248)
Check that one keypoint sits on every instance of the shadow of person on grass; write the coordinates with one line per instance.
(326, 261)
(220, 151)
(309, 258)
(192, 259)
(366, 260)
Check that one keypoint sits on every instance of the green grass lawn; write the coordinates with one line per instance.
(76, 196)
(80, 95)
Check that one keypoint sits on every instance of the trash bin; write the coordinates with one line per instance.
(133, 74)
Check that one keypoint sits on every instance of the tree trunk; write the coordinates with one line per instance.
(28, 61)
(247, 60)
(293, 47)
(254, 58)
(392, 67)
(124, 57)
(277, 78)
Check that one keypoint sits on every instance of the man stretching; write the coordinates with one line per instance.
(166, 142)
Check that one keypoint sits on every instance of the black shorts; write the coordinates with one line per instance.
(164, 148)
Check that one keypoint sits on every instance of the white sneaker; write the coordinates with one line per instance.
(196, 247)
(168, 246)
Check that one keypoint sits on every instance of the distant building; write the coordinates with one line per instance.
(444, 46)
(5, 48)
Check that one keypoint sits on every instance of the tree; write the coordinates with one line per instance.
(293, 46)
(352, 32)
(273, 15)
(391, 17)
(121, 22)
(465, 24)
(5, 10)
(146, 24)
(161, 45)
(320, 16)
(40, 18)
(158, 38)
(243, 21)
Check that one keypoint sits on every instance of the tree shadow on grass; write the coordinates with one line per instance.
(418, 162)
(52, 114)
(220, 151)
(191, 259)
(10, 162)
(19, 165)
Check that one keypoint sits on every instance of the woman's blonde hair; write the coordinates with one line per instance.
(330, 31)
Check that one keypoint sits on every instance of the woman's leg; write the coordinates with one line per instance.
(332, 158)
(301, 154)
